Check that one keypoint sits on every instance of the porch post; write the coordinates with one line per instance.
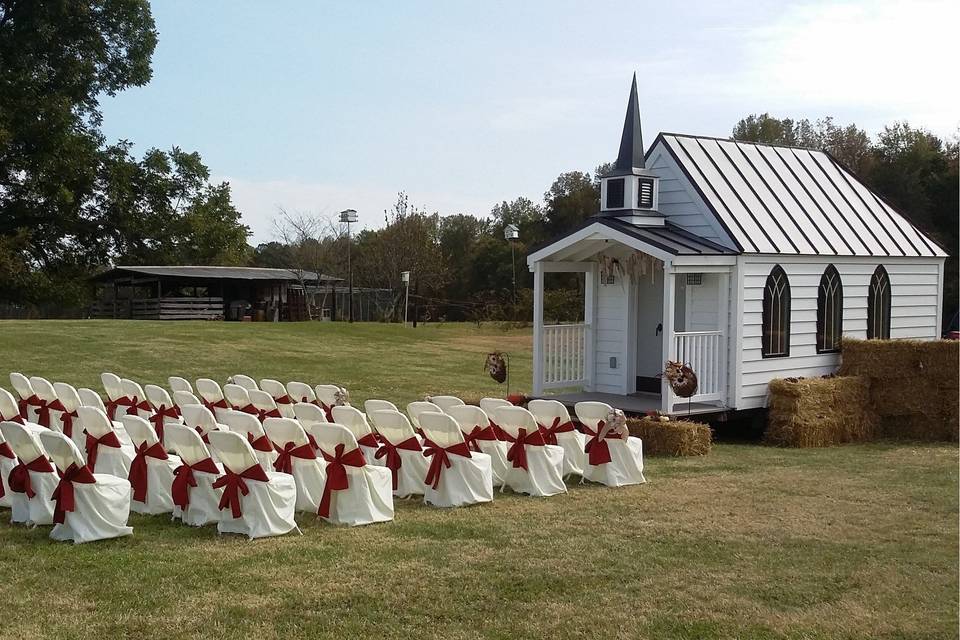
(669, 300)
(537, 328)
(589, 315)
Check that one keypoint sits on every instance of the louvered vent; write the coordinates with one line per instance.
(694, 279)
(645, 194)
(615, 194)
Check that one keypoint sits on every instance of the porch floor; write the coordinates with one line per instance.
(633, 403)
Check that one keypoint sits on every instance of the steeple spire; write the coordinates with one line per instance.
(631, 142)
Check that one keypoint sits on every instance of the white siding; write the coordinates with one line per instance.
(915, 295)
(611, 335)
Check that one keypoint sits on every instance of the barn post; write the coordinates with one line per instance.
(537, 328)
(669, 311)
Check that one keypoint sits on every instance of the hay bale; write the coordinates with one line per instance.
(673, 438)
(819, 412)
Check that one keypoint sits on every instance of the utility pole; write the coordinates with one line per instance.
(405, 278)
(349, 216)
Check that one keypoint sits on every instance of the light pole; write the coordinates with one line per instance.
(511, 233)
(349, 216)
(405, 278)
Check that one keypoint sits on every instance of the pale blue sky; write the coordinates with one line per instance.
(321, 106)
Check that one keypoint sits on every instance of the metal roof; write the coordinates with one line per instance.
(214, 273)
(630, 156)
(787, 200)
(669, 237)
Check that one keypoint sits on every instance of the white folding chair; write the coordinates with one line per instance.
(297, 457)
(200, 419)
(554, 421)
(329, 396)
(105, 451)
(117, 401)
(164, 411)
(33, 479)
(47, 413)
(481, 436)
(355, 492)
(179, 384)
(87, 506)
(151, 471)
(211, 395)
(246, 382)
(255, 502)
(610, 459)
(280, 396)
(27, 400)
(263, 404)
(353, 419)
(250, 428)
(535, 468)
(308, 414)
(8, 461)
(185, 398)
(401, 452)
(9, 410)
(90, 398)
(370, 406)
(237, 397)
(195, 501)
(301, 392)
(140, 405)
(68, 401)
(445, 402)
(414, 409)
(456, 477)
(489, 404)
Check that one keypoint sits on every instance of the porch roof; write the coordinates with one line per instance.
(661, 241)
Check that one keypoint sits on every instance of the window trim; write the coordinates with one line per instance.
(879, 282)
(822, 293)
(784, 297)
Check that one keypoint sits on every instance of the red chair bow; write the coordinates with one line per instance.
(213, 406)
(392, 460)
(183, 479)
(32, 400)
(17, 418)
(500, 433)
(203, 435)
(597, 449)
(6, 451)
(66, 417)
(235, 484)
(369, 440)
(486, 434)
(19, 478)
(113, 405)
(93, 443)
(138, 468)
(440, 459)
(290, 450)
(136, 406)
(284, 399)
(263, 414)
(63, 495)
(517, 453)
(158, 416)
(550, 433)
(327, 410)
(337, 479)
(260, 443)
(43, 412)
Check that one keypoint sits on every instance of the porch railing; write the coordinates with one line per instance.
(563, 352)
(704, 351)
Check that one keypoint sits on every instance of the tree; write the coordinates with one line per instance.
(307, 241)
(572, 198)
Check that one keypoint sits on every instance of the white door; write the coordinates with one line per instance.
(649, 330)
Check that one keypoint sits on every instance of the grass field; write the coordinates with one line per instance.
(748, 542)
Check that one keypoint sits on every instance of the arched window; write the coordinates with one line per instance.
(878, 305)
(829, 311)
(776, 315)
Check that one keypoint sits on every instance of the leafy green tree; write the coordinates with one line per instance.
(572, 198)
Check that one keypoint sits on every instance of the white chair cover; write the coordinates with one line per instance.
(46, 415)
(250, 428)
(200, 419)
(90, 398)
(100, 508)
(27, 400)
(179, 384)
(185, 398)
(468, 479)
(195, 501)
(401, 451)
(237, 397)
(264, 404)
(25, 443)
(151, 472)
(117, 401)
(309, 414)
(301, 392)
(211, 394)
(280, 396)
(369, 406)
(414, 409)
(445, 402)
(297, 456)
(69, 401)
(109, 458)
(480, 435)
(9, 410)
(543, 475)
(489, 404)
(353, 419)
(165, 411)
(267, 507)
(355, 493)
(554, 420)
(625, 466)
(8, 460)
(133, 391)
(328, 396)
(244, 381)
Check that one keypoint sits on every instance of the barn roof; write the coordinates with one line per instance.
(213, 273)
(787, 200)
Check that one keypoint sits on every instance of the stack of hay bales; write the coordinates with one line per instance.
(671, 438)
(913, 385)
(819, 412)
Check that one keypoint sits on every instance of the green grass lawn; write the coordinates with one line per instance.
(748, 542)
